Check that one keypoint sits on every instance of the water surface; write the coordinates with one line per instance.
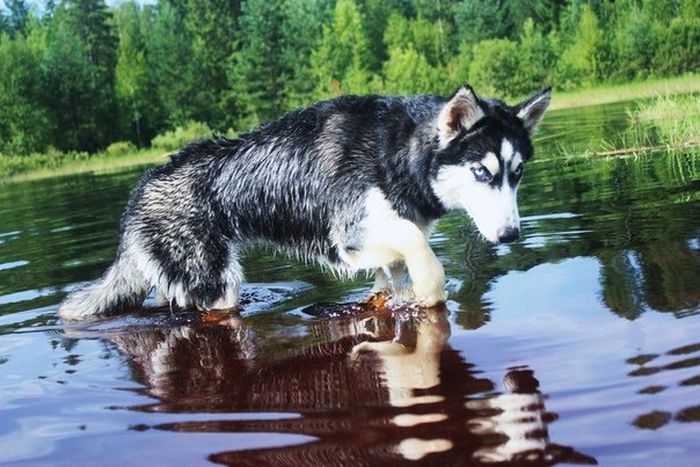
(579, 344)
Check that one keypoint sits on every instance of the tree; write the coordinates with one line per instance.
(132, 81)
(408, 72)
(301, 35)
(679, 47)
(429, 39)
(170, 64)
(342, 53)
(211, 25)
(24, 120)
(92, 22)
(16, 21)
(256, 75)
(579, 61)
(478, 20)
(376, 15)
(536, 60)
(544, 13)
(493, 65)
(68, 82)
(635, 41)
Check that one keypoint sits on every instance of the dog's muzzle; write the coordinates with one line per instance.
(508, 234)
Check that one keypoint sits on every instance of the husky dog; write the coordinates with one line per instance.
(354, 183)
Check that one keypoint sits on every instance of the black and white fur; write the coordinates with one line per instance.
(354, 183)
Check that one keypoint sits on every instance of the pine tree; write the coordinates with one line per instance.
(479, 19)
(301, 34)
(24, 121)
(68, 82)
(342, 53)
(256, 76)
(93, 23)
(211, 25)
(408, 72)
(16, 20)
(132, 83)
(169, 61)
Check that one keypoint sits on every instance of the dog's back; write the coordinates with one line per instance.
(296, 183)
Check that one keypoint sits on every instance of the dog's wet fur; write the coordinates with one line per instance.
(353, 183)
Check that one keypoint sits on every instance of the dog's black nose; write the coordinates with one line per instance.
(508, 234)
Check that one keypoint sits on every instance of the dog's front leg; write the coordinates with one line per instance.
(381, 281)
(407, 242)
(427, 275)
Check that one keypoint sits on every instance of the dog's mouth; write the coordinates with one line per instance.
(497, 236)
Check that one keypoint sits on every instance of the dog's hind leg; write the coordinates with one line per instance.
(121, 287)
(231, 284)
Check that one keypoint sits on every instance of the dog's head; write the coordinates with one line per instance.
(484, 145)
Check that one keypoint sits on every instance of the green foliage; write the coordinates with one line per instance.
(133, 85)
(69, 86)
(408, 72)
(478, 20)
(492, 66)
(578, 63)
(301, 34)
(181, 136)
(211, 25)
(534, 48)
(49, 159)
(679, 47)
(342, 58)
(18, 16)
(256, 74)
(169, 63)
(23, 123)
(85, 74)
(634, 42)
(429, 39)
(120, 148)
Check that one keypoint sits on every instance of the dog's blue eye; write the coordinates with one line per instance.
(481, 174)
(518, 170)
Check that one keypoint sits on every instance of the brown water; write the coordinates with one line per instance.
(579, 344)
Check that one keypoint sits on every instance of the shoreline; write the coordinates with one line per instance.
(611, 93)
(597, 95)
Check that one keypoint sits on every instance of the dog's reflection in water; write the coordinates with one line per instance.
(520, 416)
(384, 388)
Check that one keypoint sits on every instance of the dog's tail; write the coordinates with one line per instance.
(121, 287)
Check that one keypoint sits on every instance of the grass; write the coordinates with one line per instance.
(606, 94)
(674, 120)
(667, 123)
(117, 155)
(38, 166)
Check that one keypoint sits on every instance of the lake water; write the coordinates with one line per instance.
(579, 344)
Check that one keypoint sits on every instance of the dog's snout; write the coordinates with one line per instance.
(508, 234)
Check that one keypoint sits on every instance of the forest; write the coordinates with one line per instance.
(80, 75)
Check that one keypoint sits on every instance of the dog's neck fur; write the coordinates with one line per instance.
(414, 161)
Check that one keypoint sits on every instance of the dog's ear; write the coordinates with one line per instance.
(532, 110)
(461, 112)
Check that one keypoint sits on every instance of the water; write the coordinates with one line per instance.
(579, 344)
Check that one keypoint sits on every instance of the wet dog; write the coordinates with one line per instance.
(354, 183)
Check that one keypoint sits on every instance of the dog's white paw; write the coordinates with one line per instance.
(431, 299)
(431, 292)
